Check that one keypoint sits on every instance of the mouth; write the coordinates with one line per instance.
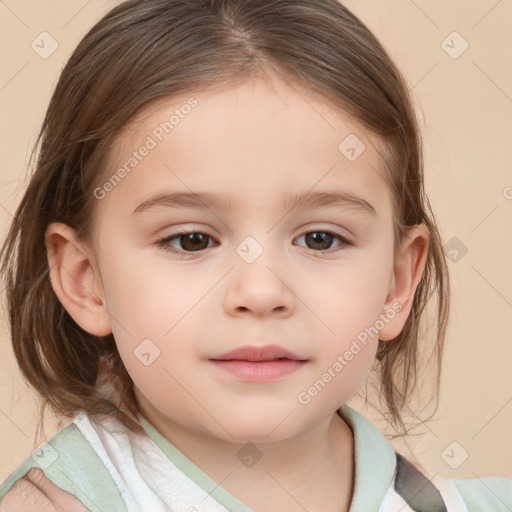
(258, 364)
(255, 354)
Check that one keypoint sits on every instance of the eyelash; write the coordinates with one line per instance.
(164, 243)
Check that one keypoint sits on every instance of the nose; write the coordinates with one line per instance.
(260, 288)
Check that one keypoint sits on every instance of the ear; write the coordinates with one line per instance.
(407, 272)
(75, 279)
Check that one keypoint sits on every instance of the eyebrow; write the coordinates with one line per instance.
(305, 200)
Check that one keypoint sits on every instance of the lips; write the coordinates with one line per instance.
(255, 353)
(253, 364)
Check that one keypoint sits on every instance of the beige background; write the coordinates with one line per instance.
(466, 115)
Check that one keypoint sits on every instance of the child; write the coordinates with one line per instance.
(216, 377)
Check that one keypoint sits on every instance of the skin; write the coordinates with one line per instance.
(255, 141)
(34, 492)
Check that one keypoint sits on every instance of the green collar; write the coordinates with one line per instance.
(375, 462)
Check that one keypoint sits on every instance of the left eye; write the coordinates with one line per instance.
(321, 240)
(195, 241)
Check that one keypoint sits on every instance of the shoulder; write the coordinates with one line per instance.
(487, 493)
(48, 456)
(71, 463)
(440, 493)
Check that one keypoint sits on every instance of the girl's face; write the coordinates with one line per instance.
(314, 279)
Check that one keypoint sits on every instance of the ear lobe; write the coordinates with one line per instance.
(75, 280)
(407, 272)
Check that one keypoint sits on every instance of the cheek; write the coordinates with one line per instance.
(146, 295)
(153, 307)
(347, 311)
(348, 297)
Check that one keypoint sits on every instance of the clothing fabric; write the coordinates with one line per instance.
(111, 469)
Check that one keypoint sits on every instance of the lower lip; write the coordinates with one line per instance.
(258, 371)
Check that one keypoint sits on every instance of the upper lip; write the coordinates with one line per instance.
(258, 353)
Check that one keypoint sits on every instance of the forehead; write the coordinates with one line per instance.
(257, 139)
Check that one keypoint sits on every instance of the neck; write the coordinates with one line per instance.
(313, 470)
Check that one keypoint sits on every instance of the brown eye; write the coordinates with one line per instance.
(192, 241)
(321, 241)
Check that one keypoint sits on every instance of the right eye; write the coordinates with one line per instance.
(191, 241)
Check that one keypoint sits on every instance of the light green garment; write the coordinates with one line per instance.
(70, 462)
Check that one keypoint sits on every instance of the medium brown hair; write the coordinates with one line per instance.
(146, 51)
